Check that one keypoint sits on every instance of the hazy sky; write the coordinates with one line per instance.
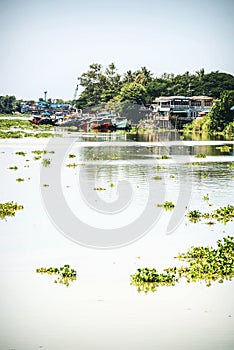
(47, 44)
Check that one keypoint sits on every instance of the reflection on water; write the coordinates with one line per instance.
(103, 306)
(147, 287)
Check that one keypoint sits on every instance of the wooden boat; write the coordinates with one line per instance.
(42, 120)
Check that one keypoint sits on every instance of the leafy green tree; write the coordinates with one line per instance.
(133, 93)
(214, 83)
(141, 86)
(99, 86)
(220, 115)
(7, 104)
(129, 77)
(143, 76)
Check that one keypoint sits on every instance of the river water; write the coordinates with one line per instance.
(101, 218)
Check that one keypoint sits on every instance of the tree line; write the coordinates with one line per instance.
(107, 87)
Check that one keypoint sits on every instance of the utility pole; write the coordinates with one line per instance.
(45, 93)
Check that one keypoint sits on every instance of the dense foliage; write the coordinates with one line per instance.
(219, 119)
(8, 104)
(111, 89)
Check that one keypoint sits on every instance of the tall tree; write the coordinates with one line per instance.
(220, 114)
(7, 104)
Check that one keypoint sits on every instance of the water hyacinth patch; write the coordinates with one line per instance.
(209, 264)
(64, 274)
(13, 167)
(157, 178)
(19, 179)
(206, 197)
(9, 209)
(72, 165)
(194, 216)
(46, 162)
(149, 279)
(104, 156)
(224, 149)
(203, 264)
(39, 152)
(193, 164)
(158, 168)
(21, 153)
(230, 165)
(167, 205)
(204, 175)
(200, 155)
(224, 214)
(165, 157)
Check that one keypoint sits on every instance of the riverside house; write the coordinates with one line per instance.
(182, 107)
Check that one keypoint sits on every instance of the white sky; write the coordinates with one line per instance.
(47, 44)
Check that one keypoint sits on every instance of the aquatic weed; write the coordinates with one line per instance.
(65, 274)
(167, 205)
(9, 209)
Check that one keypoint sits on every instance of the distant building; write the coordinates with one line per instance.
(182, 107)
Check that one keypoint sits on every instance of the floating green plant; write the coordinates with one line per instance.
(72, 156)
(157, 178)
(224, 149)
(45, 185)
(158, 167)
(20, 179)
(204, 175)
(167, 205)
(39, 152)
(21, 153)
(193, 164)
(223, 214)
(149, 280)
(99, 189)
(9, 209)
(230, 165)
(209, 264)
(112, 185)
(172, 176)
(37, 157)
(200, 155)
(206, 197)
(72, 165)
(64, 274)
(194, 216)
(164, 156)
(46, 162)
(10, 134)
(103, 156)
(203, 264)
(13, 167)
